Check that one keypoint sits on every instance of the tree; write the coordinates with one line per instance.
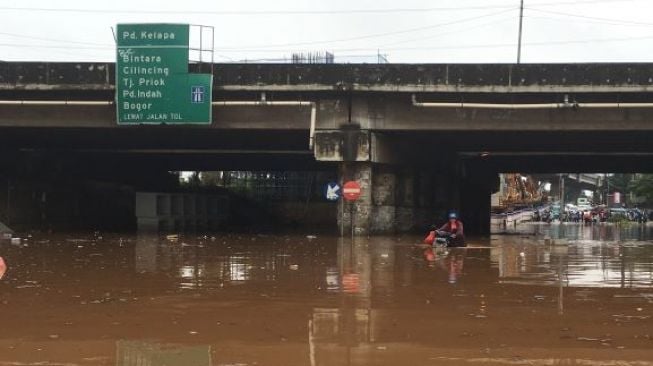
(642, 187)
(620, 182)
(211, 179)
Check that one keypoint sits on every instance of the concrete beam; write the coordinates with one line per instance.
(104, 116)
(407, 78)
(342, 145)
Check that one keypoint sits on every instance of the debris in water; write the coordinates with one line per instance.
(172, 237)
(588, 339)
(311, 237)
(293, 267)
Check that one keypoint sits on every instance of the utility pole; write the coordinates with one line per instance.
(521, 22)
(562, 190)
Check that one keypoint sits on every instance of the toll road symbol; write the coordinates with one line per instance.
(332, 191)
(197, 94)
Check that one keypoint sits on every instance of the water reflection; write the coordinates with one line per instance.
(580, 231)
(451, 261)
(136, 353)
(338, 334)
(584, 262)
(228, 261)
(293, 300)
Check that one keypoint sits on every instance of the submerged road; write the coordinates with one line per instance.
(297, 300)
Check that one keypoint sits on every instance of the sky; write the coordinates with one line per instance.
(407, 31)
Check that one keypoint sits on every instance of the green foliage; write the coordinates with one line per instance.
(210, 179)
(642, 186)
(620, 182)
(619, 219)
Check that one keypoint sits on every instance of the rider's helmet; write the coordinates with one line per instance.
(453, 215)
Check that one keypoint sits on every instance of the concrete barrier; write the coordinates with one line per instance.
(512, 218)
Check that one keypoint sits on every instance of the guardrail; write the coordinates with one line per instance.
(515, 217)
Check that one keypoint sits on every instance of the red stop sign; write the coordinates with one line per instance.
(351, 190)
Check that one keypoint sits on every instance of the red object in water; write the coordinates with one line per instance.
(351, 190)
(430, 256)
(351, 283)
(430, 238)
(3, 267)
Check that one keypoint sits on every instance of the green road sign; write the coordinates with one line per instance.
(153, 85)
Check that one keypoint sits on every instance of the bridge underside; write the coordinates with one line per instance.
(428, 173)
(175, 148)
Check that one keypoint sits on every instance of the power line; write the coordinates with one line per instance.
(521, 24)
(543, 43)
(375, 35)
(306, 43)
(473, 46)
(56, 47)
(587, 21)
(257, 12)
(460, 21)
(546, 4)
(301, 12)
(253, 48)
(590, 17)
(456, 31)
(382, 46)
(52, 39)
(476, 46)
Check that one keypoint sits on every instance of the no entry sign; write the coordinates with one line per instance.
(351, 190)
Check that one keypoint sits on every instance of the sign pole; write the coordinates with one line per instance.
(351, 215)
(342, 218)
(351, 192)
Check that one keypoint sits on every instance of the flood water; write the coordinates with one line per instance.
(544, 295)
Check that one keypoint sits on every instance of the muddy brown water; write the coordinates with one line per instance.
(583, 297)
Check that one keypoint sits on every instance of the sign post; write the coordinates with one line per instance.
(153, 85)
(351, 191)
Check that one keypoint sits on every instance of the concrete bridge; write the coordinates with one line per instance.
(421, 138)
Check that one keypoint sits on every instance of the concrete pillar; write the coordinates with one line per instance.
(362, 208)
(475, 210)
(384, 183)
(405, 214)
(424, 189)
(475, 196)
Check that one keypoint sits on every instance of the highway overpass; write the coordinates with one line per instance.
(422, 138)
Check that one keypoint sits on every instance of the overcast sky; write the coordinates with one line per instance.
(429, 31)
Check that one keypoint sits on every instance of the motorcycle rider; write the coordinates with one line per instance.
(452, 231)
